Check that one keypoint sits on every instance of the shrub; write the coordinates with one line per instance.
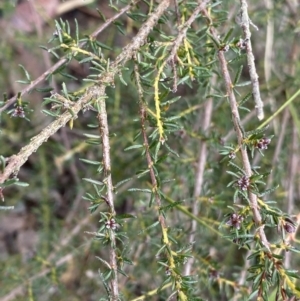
(166, 135)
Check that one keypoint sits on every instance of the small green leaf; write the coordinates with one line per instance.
(245, 99)
(92, 162)
(228, 35)
(104, 46)
(93, 141)
(122, 272)
(67, 75)
(23, 82)
(2, 163)
(183, 80)
(213, 39)
(104, 262)
(50, 113)
(149, 227)
(170, 101)
(10, 182)
(125, 215)
(294, 249)
(121, 30)
(77, 31)
(26, 73)
(122, 182)
(127, 261)
(98, 65)
(88, 80)
(160, 251)
(237, 167)
(122, 79)
(254, 294)
(168, 207)
(92, 181)
(247, 83)
(101, 15)
(65, 91)
(86, 60)
(44, 90)
(54, 53)
(156, 151)
(233, 174)
(140, 190)
(293, 273)
(92, 136)
(133, 147)
(142, 173)
(238, 75)
(22, 184)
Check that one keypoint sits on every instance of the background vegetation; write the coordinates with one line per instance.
(182, 213)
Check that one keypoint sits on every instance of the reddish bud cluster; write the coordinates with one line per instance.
(263, 143)
(241, 44)
(168, 271)
(232, 155)
(111, 224)
(18, 112)
(289, 226)
(243, 183)
(224, 48)
(214, 274)
(235, 221)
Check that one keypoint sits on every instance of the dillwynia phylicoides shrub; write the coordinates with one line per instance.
(168, 139)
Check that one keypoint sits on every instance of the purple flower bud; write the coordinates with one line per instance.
(235, 221)
(232, 155)
(243, 183)
(263, 143)
(111, 224)
(18, 112)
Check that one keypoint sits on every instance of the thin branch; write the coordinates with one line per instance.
(269, 41)
(244, 22)
(104, 131)
(177, 12)
(286, 103)
(183, 30)
(140, 39)
(246, 119)
(170, 59)
(143, 114)
(236, 122)
(64, 60)
(268, 57)
(165, 238)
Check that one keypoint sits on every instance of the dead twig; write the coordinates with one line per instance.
(245, 22)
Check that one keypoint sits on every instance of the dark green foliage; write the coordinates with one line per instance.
(169, 239)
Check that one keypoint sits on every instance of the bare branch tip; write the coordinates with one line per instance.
(260, 115)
